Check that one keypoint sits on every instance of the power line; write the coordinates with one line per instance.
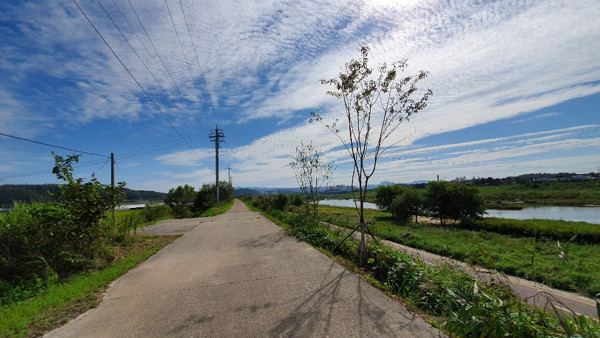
(144, 45)
(194, 49)
(182, 51)
(136, 53)
(154, 47)
(98, 171)
(52, 145)
(136, 81)
(41, 172)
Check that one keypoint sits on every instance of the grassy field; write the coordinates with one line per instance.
(568, 266)
(64, 301)
(551, 193)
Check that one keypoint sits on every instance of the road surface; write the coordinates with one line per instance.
(240, 275)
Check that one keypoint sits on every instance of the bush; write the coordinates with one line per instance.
(271, 202)
(207, 196)
(180, 200)
(296, 200)
(48, 239)
(154, 211)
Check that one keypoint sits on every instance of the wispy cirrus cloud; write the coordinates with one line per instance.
(243, 63)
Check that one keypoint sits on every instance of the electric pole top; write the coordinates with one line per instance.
(217, 136)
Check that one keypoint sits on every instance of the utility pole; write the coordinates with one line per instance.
(229, 174)
(217, 137)
(112, 184)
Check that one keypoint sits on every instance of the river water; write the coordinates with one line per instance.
(578, 214)
(346, 203)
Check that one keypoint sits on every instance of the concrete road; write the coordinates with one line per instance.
(240, 275)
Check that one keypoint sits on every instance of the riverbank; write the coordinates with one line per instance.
(542, 251)
(518, 196)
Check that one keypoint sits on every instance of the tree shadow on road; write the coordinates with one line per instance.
(265, 241)
(317, 314)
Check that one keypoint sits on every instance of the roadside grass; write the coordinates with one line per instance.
(452, 299)
(561, 264)
(79, 293)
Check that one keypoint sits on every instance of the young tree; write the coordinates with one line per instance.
(311, 173)
(438, 199)
(407, 204)
(375, 104)
(385, 195)
(453, 201)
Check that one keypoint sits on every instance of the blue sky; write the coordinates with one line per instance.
(516, 87)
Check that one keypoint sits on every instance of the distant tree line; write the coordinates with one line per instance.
(528, 179)
(43, 193)
(27, 193)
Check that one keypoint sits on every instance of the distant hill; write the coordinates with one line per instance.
(143, 195)
(256, 191)
(27, 193)
(22, 193)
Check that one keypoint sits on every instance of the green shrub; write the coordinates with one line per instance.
(154, 211)
(180, 200)
(42, 240)
(296, 200)
(271, 202)
(207, 196)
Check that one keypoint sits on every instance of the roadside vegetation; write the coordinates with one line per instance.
(560, 254)
(451, 298)
(563, 264)
(55, 257)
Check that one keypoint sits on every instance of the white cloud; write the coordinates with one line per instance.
(262, 60)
